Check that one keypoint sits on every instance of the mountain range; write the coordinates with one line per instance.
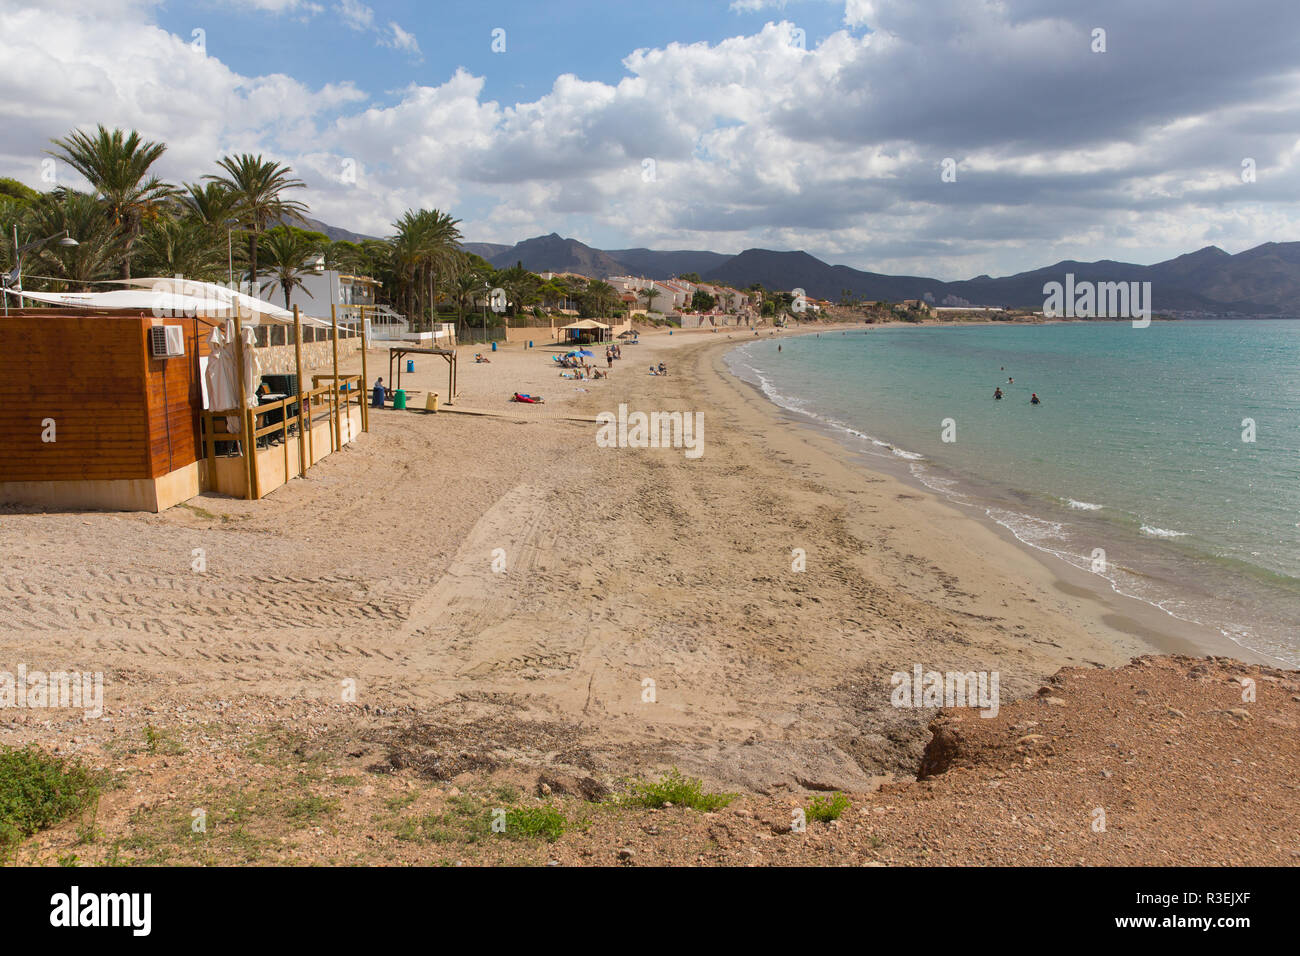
(1264, 280)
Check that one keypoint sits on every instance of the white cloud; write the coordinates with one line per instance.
(356, 15)
(399, 39)
(306, 8)
(359, 17)
(756, 142)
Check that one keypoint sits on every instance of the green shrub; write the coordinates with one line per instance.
(825, 809)
(38, 790)
(676, 789)
(544, 821)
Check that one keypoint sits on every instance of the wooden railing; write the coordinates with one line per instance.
(298, 414)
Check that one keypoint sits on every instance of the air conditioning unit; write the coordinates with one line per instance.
(166, 341)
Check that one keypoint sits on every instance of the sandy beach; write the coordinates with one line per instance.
(548, 604)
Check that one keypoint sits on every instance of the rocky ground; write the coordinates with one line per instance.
(1167, 760)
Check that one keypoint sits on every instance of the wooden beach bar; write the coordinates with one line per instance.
(103, 409)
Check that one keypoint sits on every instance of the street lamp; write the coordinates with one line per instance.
(14, 279)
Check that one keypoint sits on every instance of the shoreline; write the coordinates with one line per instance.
(1164, 631)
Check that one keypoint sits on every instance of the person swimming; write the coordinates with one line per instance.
(997, 394)
(1033, 399)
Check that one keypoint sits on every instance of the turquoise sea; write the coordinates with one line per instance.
(1137, 449)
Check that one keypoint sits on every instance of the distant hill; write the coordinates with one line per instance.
(334, 232)
(799, 270)
(485, 249)
(1260, 281)
(1266, 275)
(1264, 280)
(654, 264)
(554, 253)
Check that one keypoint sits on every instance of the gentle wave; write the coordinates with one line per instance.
(1162, 532)
(798, 405)
(1082, 505)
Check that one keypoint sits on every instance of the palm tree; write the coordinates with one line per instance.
(599, 295)
(426, 245)
(649, 295)
(210, 203)
(117, 166)
(96, 256)
(183, 246)
(287, 251)
(464, 286)
(521, 286)
(257, 189)
(406, 254)
(348, 257)
(11, 213)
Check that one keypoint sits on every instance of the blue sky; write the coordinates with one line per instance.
(589, 38)
(821, 125)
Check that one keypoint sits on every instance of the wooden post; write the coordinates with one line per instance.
(210, 426)
(297, 361)
(246, 440)
(311, 437)
(365, 380)
(284, 431)
(338, 430)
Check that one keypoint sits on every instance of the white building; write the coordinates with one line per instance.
(328, 289)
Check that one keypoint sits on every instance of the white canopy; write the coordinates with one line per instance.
(179, 298)
(216, 294)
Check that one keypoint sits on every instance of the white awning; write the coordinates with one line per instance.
(215, 295)
(168, 298)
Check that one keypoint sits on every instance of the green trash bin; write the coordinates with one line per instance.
(399, 398)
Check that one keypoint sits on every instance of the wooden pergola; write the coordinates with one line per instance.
(398, 352)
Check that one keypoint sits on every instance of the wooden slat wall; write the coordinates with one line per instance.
(176, 408)
(93, 375)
